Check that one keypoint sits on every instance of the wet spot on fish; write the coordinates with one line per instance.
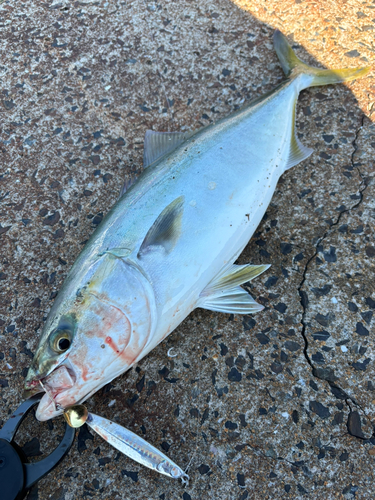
(212, 185)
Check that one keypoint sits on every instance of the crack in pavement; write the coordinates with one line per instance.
(327, 374)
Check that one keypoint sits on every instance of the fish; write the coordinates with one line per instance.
(169, 244)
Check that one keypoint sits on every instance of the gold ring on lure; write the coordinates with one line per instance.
(76, 415)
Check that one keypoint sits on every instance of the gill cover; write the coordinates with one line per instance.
(118, 307)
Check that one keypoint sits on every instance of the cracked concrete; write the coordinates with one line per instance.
(326, 374)
(277, 405)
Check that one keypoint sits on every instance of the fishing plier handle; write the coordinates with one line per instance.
(16, 475)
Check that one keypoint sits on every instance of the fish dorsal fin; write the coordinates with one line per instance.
(129, 181)
(166, 230)
(297, 152)
(224, 294)
(158, 144)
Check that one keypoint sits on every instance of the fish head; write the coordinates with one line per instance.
(91, 339)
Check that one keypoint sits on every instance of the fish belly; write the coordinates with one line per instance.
(227, 177)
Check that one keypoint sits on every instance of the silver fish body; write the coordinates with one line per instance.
(168, 245)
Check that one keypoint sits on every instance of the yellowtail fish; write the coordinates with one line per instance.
(169, 243)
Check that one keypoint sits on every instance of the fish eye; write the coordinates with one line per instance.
(63, 344)
(61, 341)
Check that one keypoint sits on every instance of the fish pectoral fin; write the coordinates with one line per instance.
(166, 230)
(233, 301)
(158, 144)
(224, 294)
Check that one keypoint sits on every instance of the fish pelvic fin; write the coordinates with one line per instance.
(293, 66)
(224, 294)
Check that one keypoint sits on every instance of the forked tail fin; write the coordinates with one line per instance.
(291, 64)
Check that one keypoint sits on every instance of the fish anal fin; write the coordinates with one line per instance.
(233, 276)
(158, 144)
(224, 294)
(166, 230)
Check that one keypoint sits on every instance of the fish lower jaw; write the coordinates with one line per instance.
(51, 406)
(56, 386)
(47, 408)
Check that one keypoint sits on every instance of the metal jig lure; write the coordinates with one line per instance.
(125, 441)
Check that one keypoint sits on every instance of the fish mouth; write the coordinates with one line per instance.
(54, 385)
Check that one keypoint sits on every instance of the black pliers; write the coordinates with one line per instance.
(16, 475)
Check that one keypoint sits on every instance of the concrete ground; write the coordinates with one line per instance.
(276, 405)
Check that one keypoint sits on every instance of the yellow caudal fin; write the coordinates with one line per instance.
(291, 64)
